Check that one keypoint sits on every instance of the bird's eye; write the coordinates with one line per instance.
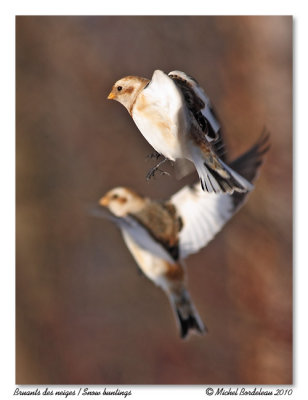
(115, 196)
(119, 88)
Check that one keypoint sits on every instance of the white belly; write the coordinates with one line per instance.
(163, 134)
(153, 267)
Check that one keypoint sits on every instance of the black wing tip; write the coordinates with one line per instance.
(263, 144)
(248, 165)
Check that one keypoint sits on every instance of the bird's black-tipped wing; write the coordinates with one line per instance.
(200, 107)
(248, 165)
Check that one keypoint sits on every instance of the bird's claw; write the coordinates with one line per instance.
(153, 170)
(151, 173)
(155, 154)
(163, 172)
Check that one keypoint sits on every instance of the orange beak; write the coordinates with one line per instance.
(104, 201)
(111, 96)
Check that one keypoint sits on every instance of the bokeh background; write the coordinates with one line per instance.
(83, 313)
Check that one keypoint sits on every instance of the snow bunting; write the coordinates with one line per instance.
(175, 116)
(160, 235)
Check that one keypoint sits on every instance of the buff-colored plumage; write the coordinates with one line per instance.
(161, 234)
(150, 231)
(175, 116)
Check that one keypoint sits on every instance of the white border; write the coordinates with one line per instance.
(261, 7)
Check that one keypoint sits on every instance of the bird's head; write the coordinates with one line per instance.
(126, 90)
(121, 201)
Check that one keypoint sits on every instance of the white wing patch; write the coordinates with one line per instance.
(203, 214)
(160, 115)
(164, 92)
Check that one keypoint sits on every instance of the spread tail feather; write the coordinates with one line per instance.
(215, 175)
(186, 314)
(224, 180)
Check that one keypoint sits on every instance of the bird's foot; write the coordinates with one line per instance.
(153, 170)
(163, 172)
(151, 173)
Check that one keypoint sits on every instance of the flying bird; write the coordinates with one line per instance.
(161, 234)
(175, 116)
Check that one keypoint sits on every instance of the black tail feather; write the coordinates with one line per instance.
(189, 323)
(186, 315)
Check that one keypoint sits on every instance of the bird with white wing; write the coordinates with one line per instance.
(161, 234)
(175, 116)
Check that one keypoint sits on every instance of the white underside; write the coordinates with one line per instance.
(153, 267)
(161, 133)
(159, 113)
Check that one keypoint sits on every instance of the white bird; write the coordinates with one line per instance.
(161, 234)
(175, 116)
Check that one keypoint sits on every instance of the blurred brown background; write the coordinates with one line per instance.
(83, 314)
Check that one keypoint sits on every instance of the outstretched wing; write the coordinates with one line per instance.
(200, 106)
(204, 214)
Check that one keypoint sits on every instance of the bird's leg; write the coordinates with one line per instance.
(153, 170)
(155, 154)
